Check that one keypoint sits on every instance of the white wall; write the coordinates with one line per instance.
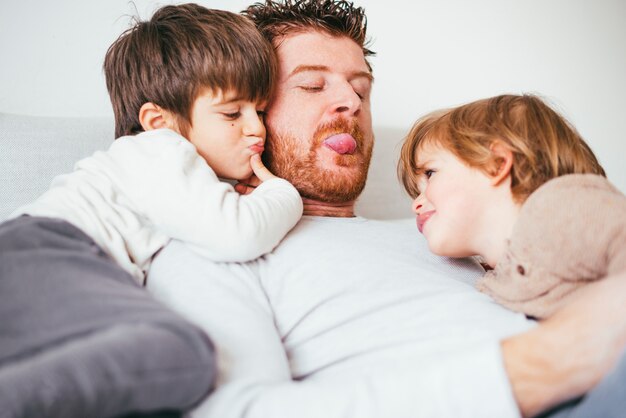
(431, 54)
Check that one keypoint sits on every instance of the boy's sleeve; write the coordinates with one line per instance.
(181, 196)
(243, 228)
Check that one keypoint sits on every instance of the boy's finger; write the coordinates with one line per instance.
(259, 169)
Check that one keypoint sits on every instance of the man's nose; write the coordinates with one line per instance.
(254, 126)
(345, 100)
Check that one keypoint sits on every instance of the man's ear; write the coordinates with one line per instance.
(152, 117)
(503, 162)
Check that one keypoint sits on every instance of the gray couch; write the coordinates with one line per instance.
(33, 150)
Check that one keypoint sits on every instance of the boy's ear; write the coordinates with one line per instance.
(152, 117)
(503, 162)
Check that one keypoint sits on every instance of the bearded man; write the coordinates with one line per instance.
(351, 317)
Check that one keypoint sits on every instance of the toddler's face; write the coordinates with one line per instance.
(451, 201)
(227, 130)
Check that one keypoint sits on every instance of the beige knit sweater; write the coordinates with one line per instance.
(570, 231)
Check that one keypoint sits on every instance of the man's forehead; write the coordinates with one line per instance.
(303, 68)
(315, 50)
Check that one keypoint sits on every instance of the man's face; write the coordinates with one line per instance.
(319, 122)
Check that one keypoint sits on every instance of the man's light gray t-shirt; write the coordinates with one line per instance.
(363, 318)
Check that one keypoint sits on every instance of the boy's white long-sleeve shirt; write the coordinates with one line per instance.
(149, 188)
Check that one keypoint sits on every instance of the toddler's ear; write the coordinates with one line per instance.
(502, 162)
(152, 117)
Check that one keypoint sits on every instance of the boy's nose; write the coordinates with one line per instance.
(254, 127)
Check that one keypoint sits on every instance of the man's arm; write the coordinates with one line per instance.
(569, 353)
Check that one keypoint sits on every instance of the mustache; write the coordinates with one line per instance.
(338, 126)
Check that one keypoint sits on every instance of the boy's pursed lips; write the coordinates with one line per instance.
(257, 148)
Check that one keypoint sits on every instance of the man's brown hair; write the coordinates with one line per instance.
(181, 51)
(276, 20)
(544, 144)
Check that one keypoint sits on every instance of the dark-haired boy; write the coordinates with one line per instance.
(79, 336)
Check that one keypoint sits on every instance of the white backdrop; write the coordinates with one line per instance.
(431, 54)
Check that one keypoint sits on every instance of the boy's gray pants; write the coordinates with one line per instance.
(80, 338)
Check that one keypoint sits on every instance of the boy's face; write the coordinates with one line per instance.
(452, 202)
(227, 131)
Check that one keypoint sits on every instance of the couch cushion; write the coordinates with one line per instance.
(33, 150)
(384, 197)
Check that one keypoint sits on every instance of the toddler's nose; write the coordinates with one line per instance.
(416, 205)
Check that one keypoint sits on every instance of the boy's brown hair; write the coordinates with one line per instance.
(181, 51)
(276, 20)
(544, 144)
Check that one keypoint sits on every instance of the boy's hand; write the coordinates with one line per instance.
(259, 169)
(261, 173)
(247, 186)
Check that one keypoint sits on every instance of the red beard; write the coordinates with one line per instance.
(341, 184)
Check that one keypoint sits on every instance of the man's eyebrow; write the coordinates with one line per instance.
(304, 68)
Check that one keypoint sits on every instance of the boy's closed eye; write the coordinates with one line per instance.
(231, 115)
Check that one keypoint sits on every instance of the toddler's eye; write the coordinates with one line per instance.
(261, 114)
(428, 173)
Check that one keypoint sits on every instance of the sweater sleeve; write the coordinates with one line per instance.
(570, 231)
(180, 195)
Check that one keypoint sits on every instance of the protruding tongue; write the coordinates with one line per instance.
(341, 143)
